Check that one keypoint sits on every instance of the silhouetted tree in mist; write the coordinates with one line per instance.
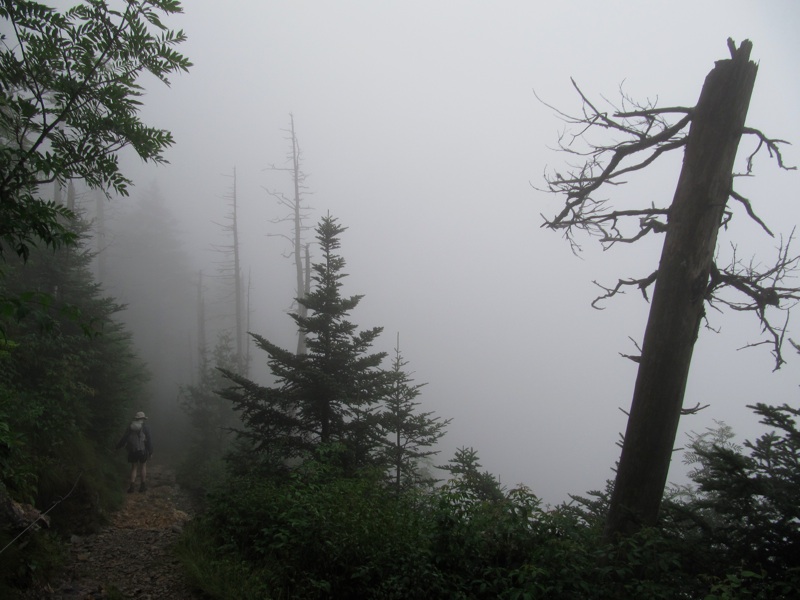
(69, 379)
(229, 269)
(410, 435)
(148, 270)
(211, 417)
(297, 213)
(328, 395)
(688, 276)
(466, 475)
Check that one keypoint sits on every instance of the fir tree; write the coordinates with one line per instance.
(329, 395)
(211, 417)
(744, 509)
(410, 435)
(70, 376)
(466, 476)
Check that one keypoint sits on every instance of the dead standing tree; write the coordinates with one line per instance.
(298, 213)
(230, 272)
(687, 277)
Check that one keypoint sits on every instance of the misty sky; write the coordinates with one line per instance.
(420, 132)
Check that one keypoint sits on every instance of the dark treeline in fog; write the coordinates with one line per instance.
(70, 376)
(146, 268)
(316, 463)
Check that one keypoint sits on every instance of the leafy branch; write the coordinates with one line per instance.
(69, 103)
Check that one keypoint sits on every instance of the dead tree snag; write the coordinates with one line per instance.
(687, 277)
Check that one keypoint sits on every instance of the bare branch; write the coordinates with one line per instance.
(648, 136)
(632, 357)
(642, 284)
(759, 290)
(772, 148)
(580, 186)
(694, 410)
(637, 358)
(634, 136)
(748, 207)
(673, 110)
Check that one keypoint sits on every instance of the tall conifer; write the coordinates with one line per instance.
(329, 395)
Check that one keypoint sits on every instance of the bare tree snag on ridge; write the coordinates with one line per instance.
(230, 270)
(237, 279)
(687, 276)
(298, 213)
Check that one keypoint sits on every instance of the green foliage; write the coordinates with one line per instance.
(220, 576)
(735, 586)
(480, 544)
(592, 508)
(318, 534)
(69, 103)
(409, 435)
(211, 418)
(328, 394)
(16, 471)
(496, 543)
(61, 384)
(64, 394)
(740, 525)
(467, 477)
(22, 564)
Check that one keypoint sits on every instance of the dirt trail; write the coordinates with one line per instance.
(131, 557)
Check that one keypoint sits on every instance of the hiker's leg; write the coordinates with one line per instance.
(133, 477)
(143, 472)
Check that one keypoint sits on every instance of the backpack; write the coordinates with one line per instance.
(136, 438)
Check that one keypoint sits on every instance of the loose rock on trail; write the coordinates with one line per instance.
(132, 556)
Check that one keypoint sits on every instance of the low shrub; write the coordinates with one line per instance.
(315, 535)
(219, 575)
(30, 559)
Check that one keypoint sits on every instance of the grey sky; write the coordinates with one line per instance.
(421, 133)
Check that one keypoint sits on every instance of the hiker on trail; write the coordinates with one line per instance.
(139, 444)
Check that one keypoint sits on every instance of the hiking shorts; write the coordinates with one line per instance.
(137, 457)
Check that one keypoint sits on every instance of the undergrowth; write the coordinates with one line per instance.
(219, 576)
(314, 533)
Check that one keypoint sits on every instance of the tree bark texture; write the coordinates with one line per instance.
(678, 298)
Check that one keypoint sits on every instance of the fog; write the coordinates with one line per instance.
(421, 133)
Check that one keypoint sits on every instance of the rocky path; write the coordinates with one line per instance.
(132, 557)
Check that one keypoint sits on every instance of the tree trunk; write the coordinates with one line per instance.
(202, 350)
(71, 195)
(678, 298)
(302, 289)
(100, 224)
(237, 282)
(246, 367)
